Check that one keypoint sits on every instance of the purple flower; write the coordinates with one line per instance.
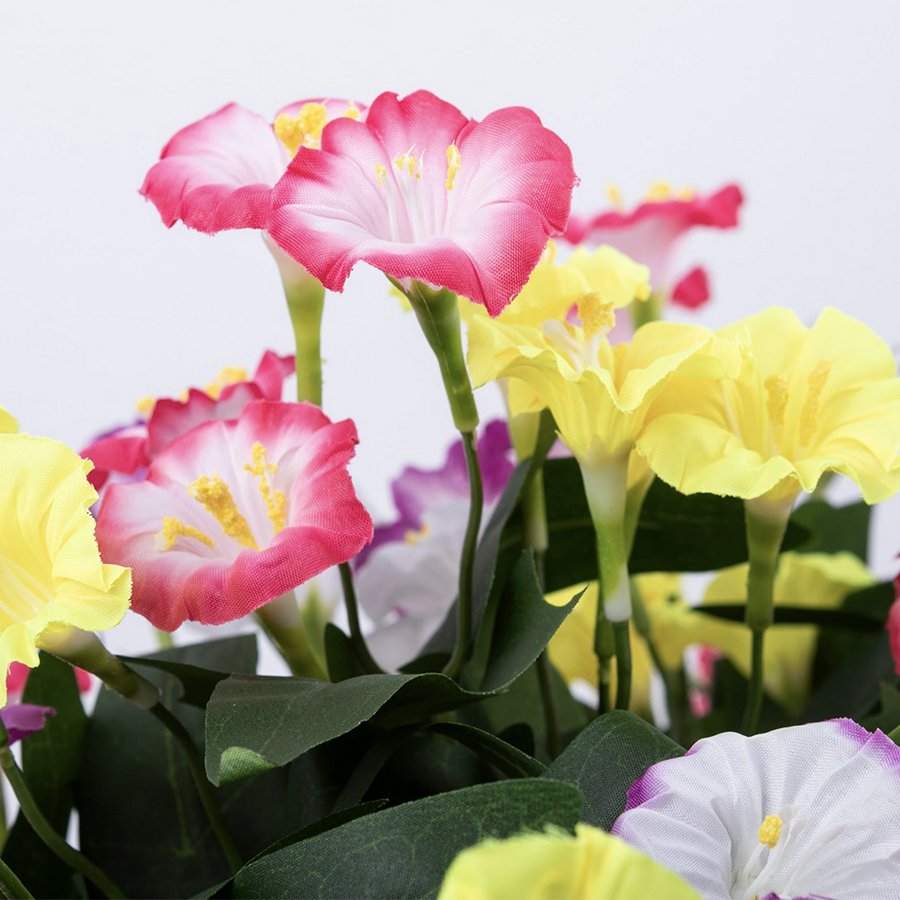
(23, 719)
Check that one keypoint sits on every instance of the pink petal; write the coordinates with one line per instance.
(23, 719)
(893, 626)
(692, 290)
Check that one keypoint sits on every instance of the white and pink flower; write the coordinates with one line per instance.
(218, 173)
(235, 513)
(650, 234)
(808, 811)
(420, 191)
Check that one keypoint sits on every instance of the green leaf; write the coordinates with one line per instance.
(50, 760)
(799, 615)
(888, 716)
(834, 528)
(510, 760)
(279, 719)
(340, 655)
(404, 851)
(605, 760)
(675, 533)
(524, 624)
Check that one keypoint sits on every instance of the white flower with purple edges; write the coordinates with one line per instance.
(811, 811)
(407, 578)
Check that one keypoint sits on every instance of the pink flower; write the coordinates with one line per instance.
(218, 173)
(420, 191)
(893, 626)
(650, 233)
(235, 513)
(128, 450)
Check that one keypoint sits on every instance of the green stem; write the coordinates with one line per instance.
(357, 641)
(467, 562)
(643, 628)
(766, 522)
(10, 886)
(204, 790)
(282, 621)
(164, 639)
(306, 303)
(605, 649)
(32, 812)
(622, 639)
(4, 825)
(649, 310)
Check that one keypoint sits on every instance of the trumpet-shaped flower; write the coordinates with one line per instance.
(651, 232)
(235, 513)
(51, 574)
(807, 401)
(218, 173)
(407, 579)
(420, 191)
(592, 865)
(809, 811)
(129, 449)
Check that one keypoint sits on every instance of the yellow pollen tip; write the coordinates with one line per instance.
(174, 528)
(228, 375)
(777, 391)
(687, 194)
(276, 502)
(413, 537)
(549, 254)
(215, 497)
(615, 196)
(352, 112)
(659, 190)
(380, 173)
(144, 406)
(304, 129)
(454, 159)
(597, 316)
(770, 831)
(809, 415)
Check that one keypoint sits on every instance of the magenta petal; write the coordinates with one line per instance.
(23, 719)
(692, 290)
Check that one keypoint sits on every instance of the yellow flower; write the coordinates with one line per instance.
(51, 575)
(8, 424)
(593, 865)
(807, 401)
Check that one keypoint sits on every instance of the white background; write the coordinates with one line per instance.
(797, 101)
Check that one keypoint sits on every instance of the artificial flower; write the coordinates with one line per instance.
(808, 401)
(808, 811)
(651, 232)
(218, 173)
(407, 580)
(128, 450)
(893, 626)
(22, 719)
(235, 513)
(51, 574)
(592, 865)
(420, 191)
(18, 674)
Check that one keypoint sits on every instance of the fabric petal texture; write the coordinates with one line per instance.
(420, 191)
(804, 811)
(235, 513)
(22, 719)
(51, 573)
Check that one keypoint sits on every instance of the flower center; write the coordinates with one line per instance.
(275, 500)
(581, 346)
(778, 394)
(215, 496)
(770, 831)
(413, 536)
(305, 129)
(228, 375)
(661, 191)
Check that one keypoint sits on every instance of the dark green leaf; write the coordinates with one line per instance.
(799, 615)
(888, 716)
(510, 760)
(50, 760)
(254, 722)
(404, 851)
(524, 624)
(606, 758)
(340, 656)
(833, 529)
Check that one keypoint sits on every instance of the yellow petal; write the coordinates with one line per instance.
(8, 424)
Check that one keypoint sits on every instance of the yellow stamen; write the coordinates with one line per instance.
(549, 254)
(686, 194)
(352, 111)
(597, 317)
(659, 190)
(770, 831)
(413, 537)
(409, 162)
(615, 196)
(304, 129)
(174, 528)
(276, 502)
(809, 415)
(453, 162)
(777, 391)
(215, 497)
(144, 406)
(380, 173)
(228, 375)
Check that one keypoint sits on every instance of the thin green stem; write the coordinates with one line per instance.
(622, 639)
(57, 844)
(467, 562)
(755, 691)
(10, 886)
(282, 622)
(204, 789)
(4, 825)
(604, 648)
(357, 641)
(164, 639)
(306, 303)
